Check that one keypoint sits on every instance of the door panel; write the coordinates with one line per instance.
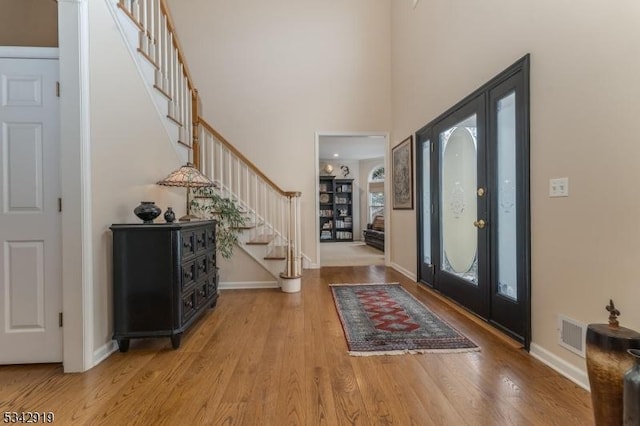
(30, 239)
(510, 236)
(22, 145)
(24, 291)
(425, 213)
(505, 225)
(462, 268)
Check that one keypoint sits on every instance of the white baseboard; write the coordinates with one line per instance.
(571, 372)
(413, 277)
(104, 351)
(248, 285)
(307, 263)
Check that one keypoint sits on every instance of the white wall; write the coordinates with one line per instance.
(273, 73)
(130, 151)
(585, 97)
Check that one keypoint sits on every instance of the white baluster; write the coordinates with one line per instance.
(143, 43)
(152, 31)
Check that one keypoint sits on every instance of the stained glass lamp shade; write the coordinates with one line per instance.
(190, 177)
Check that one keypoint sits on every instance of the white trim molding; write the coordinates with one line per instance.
(307, 263)
(75, 177)
(413, 277)
(247, 285)
(29, 52)
(104, 351)
(316, 169)
(571, 372)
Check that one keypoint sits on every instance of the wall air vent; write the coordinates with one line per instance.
(572, 335)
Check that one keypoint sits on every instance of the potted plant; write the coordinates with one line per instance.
(208, 203)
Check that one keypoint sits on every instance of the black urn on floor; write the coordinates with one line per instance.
(147, 211)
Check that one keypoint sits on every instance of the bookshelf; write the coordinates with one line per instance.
(335, 209)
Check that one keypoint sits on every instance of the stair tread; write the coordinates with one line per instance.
(261, 239)
(246, 226)
(277, 253)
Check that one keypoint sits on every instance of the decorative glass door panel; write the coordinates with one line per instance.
(507, 181)
(509, 216)
(426, 207)
(458, 212)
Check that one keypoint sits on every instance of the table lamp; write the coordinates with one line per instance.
(190, 177)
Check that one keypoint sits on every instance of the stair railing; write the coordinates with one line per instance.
(276, 213)
(159, 44)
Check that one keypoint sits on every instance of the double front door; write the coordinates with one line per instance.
(474, 202)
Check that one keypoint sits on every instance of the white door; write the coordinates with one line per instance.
(30, 223)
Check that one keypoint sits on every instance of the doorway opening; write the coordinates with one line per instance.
(350, 186)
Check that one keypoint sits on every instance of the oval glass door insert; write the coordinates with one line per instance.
(459, 204)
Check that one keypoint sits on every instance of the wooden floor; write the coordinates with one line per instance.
(263, 357)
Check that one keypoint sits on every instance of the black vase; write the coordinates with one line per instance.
(632, 392)
(147, 211)
(169, 215)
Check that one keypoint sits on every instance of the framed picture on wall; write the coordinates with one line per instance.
(402, 175)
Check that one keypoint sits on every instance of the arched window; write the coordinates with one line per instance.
(376, 192)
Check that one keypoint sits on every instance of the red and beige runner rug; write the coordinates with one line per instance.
(385, 319)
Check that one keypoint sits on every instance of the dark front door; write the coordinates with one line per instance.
(474, 202)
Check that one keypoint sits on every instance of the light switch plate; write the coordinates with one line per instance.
(559, 187)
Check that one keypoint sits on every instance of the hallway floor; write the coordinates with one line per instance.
(355, 253)
(264, 357)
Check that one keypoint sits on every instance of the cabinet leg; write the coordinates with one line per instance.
(175, 341)
(123, 345)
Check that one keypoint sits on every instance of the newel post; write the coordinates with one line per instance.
(291, 278)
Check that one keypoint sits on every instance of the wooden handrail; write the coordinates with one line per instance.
(196, 118)
(176, 42)
(238, 154)
(130, 15)
(173, 78)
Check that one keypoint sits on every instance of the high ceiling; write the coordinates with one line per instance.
(351, 147)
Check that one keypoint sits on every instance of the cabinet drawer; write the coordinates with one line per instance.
(201, 292)
(207, 288)
(188, 305)
(211, 260)
(188, 244)
(201, 240)
(203, 265)
(188, 273)
(211, 236)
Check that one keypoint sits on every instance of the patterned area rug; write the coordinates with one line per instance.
(384, 319)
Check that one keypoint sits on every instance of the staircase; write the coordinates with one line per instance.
(272, 236)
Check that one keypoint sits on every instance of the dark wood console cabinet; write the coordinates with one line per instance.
(164, 278)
